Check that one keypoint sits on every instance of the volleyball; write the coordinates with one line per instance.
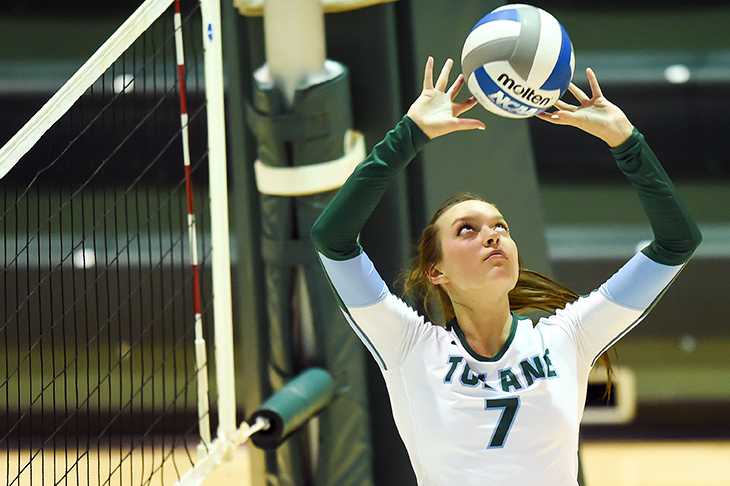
(517, 61)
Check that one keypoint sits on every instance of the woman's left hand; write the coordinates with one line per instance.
(435, 110)
(595, 115)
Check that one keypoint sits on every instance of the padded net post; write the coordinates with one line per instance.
(313, 129)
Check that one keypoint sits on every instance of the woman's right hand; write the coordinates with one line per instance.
(595, 114)
(435, 111)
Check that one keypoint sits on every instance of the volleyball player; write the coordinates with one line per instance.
(490, 397)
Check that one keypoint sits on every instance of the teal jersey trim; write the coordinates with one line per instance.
(676, 235)
(353, 324)
(455, 325)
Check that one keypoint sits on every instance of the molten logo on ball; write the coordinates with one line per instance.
(525, 92)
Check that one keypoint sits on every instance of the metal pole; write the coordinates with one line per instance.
(294, 41)
(221, 266)
(302, 117)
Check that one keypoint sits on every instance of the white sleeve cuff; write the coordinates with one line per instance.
(356, 280)
(639, 282)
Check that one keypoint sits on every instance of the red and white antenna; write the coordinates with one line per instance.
(200, 351)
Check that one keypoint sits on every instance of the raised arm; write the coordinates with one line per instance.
(624, 299)
(676, 235)
(386, 325)
(434, 113)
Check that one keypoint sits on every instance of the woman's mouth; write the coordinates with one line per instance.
(495, 254)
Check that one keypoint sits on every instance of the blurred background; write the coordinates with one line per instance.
(666, 65)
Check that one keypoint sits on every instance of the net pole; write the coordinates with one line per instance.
(201, 355)
(220, 238)
(291, 63)
(298, 82)
(87, 74)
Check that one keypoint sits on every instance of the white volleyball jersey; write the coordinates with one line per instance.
(511, 419)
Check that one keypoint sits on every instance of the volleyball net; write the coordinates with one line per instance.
(108, 268)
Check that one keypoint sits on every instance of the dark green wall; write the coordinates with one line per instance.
(657, 29)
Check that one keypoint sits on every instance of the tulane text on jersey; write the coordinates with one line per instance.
(530, 370)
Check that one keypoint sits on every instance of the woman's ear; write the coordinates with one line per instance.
(435, 276)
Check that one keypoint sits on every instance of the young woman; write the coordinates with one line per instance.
(490, 398)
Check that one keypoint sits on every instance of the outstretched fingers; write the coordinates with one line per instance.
(428, 74)
(461, 124)
(578, 93)
(593, 81)
(551, 117)
(435, 110)
(465, 105)
(456, 87)
(443, 79)
(562, 105)
(564, 115)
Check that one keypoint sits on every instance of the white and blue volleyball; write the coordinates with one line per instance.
(518, 61)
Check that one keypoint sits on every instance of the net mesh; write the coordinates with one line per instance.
(97, 365)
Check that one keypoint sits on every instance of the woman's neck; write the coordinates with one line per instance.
(486, 325)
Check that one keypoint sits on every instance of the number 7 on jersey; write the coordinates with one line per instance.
(509, 408)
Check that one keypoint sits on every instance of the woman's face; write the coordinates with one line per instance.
(477, 250)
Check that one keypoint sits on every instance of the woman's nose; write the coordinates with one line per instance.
(491, 238)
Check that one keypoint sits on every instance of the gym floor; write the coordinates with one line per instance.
(606, 463)
(655, 463)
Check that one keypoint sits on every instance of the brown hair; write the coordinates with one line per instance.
(533, 292)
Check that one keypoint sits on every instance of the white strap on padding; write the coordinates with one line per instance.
(314, 178)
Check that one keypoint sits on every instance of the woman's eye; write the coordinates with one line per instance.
(501, 227)
(464, 229)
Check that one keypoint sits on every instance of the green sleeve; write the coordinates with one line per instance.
(676, 235)
(336, 231)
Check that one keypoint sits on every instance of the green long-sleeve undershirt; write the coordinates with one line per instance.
(676, 235)
(335, 233)
(336, 230)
